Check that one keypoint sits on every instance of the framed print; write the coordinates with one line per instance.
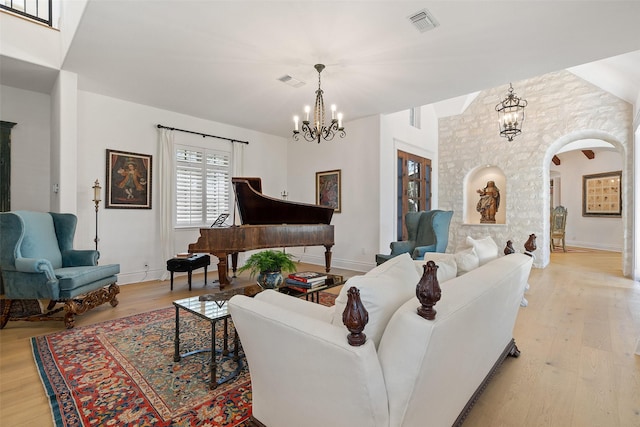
(602, 194)
(128, 180)
(328, 192)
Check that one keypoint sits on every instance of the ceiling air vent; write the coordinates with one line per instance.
(291, 81)
(423, 20)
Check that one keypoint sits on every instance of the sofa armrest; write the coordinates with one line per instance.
(34, 265)
(403, 246)
(78, 258)
(296, 305)
(296, 360)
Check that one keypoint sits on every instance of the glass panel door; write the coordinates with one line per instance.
(414, 187)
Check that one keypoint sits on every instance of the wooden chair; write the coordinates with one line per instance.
(558, 223)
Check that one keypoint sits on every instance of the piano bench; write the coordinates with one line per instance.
(189, 264)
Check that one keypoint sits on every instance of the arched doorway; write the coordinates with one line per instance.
(584, 231)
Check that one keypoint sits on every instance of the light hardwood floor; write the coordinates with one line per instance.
(577, 339)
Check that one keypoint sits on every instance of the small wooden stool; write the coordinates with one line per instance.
(189, 264)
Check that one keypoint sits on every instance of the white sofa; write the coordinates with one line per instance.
(410, 372)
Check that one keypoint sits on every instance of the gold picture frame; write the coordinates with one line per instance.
(602, 194)
(328, 189)
(128, 180)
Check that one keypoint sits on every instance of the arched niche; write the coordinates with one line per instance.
(477, 180)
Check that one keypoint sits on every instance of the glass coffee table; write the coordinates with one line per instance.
(213, 310)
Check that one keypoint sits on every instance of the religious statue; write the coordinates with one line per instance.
(489, 203)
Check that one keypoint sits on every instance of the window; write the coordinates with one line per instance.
(414, 117)
(203, 183)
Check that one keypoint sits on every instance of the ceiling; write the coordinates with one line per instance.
(221, 60)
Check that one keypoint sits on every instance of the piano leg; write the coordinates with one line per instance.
(234, 263)
(222, 268)
(327, 258)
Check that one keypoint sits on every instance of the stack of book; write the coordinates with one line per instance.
(305, 281)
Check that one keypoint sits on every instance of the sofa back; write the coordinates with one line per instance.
(432, 368)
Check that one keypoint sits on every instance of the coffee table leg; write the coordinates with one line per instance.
(176, 341)
(213, 383)
(225, 341)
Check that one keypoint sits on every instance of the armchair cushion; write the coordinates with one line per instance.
(73, 278)
(382, 291)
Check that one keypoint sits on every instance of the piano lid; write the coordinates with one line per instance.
(256, 208)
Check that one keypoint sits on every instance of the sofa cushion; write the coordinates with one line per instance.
(382, 291)
(466, 260)
(486, 248)
(447, 267)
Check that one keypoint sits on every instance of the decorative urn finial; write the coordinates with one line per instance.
(428, 291)
(509, 248)
(530, 244)
(355, 317)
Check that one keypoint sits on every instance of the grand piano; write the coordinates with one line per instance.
(267, 222)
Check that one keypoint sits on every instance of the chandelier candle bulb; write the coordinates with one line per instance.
(333, 111)
(339, 120)
(295, 121)
(307, 109)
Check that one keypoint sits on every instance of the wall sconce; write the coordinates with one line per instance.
(96, 200)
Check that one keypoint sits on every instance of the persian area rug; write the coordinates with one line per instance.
(122, 373)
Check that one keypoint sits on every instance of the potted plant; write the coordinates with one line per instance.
(269, 265)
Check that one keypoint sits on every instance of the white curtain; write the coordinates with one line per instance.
(237, 169)
(166, 195)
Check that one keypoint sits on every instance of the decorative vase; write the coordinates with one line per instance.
(270, 279)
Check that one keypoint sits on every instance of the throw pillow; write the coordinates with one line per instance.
(486, 248)
(466, 260)
(382, 291)
(447, 267)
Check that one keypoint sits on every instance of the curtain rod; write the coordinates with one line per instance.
(202, 134)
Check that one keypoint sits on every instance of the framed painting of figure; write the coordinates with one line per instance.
(328, 191)
(128, 180)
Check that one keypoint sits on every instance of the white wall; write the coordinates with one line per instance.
(37, 44)
(356, 155)
(130, 237)
(588, 232)
(30, 147)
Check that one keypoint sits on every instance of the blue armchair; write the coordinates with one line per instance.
(38, 261)
(428, 231)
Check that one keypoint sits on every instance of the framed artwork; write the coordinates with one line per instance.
(128, 180)
(328, 190)
(602, 194)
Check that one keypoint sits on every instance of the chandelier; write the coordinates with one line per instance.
(317, 130)
(511, 115)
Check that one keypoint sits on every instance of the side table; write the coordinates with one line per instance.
(213, 311)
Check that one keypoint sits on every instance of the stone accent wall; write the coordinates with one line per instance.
(562, 108)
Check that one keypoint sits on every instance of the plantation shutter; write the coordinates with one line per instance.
(203, 180)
